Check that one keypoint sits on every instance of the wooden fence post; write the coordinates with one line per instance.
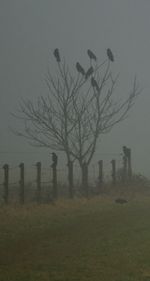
(38, 181)
(21, 182)
(54, 180)
(70, 178)
(124, 168)
(113, 162)
(6, 183)
(125, 163)
(100, 174)
(129, 164)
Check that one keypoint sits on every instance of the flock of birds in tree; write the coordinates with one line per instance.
(90, 71)
(94, 84)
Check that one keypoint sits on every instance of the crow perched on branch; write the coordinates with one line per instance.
(79, 68)
(56, 54)
(89, 72)
(94, 84)
(91, 55)
(110, 55)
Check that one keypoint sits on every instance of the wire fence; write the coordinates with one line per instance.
(25, 182)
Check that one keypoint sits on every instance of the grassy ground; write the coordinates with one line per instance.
(81, 240)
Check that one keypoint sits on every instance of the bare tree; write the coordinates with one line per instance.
(80, 107)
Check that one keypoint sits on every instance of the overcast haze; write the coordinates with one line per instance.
(31, 29)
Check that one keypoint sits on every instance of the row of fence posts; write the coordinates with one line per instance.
(127, 174)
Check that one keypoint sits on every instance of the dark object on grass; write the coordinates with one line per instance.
(121, 201)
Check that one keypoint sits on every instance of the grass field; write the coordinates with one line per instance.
(81, 240)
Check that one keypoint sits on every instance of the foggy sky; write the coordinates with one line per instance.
(31, 29)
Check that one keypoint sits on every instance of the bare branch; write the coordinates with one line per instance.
(80, 107)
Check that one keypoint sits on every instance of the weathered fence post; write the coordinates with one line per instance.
(100, 174)
(125, 164)
(54, 180)
(38, 181)
(70, 178)
(21, 182)
(113, 162)
(124, 178)
(6, 183)
(129, 164)
(85, 179)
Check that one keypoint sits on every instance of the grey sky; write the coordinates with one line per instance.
(31, 29)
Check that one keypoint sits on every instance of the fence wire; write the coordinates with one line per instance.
(30, 178)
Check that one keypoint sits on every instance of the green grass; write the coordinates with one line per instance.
(76, 240)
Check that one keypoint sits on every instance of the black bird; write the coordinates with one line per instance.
(89, 72)
(91, 55)
(56, 54)
(79, 68)
(121, 201)
(110, 55)
(94, 84)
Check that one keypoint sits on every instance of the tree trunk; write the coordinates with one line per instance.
(70, 178)
(84, 171)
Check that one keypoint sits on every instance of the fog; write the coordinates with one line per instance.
(29, 32)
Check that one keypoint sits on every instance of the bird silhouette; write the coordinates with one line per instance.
(79, 68)
(94, 84)
(91, 55)
(110, 55)
(56, 54)
(89, 72)
(121, 201)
